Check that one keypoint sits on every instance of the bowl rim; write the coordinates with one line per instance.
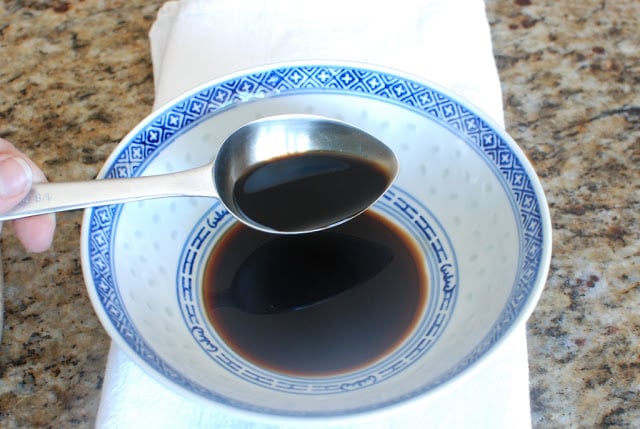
(460, 376)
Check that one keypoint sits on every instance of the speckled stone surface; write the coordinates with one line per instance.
(571, 81)
(75, 76)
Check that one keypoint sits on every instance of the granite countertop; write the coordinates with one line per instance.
(75, 77)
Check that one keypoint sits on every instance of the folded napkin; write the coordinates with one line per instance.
(445, 41)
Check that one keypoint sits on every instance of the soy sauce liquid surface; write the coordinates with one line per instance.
(303, 191)
(364, 322)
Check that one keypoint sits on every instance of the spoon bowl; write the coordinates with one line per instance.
(301, 173)
(283, 174)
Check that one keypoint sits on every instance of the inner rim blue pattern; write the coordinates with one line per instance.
(327, 79)
(395, 204)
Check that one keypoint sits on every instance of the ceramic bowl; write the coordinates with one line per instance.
(466, 196)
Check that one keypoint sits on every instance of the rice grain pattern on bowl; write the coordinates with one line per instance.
(466, 197)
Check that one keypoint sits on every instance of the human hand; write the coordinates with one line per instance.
(17, 172)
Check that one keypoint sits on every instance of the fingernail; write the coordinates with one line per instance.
(15, 177)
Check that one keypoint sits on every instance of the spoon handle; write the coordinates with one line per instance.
(55, 197)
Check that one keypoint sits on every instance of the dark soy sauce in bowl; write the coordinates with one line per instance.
(302, 191)
(340, 298)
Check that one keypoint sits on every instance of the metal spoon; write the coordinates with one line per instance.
(282, 174)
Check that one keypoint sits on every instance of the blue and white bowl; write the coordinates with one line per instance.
(466, 194)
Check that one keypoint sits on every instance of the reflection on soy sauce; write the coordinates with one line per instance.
(291, 273)
(318, 303)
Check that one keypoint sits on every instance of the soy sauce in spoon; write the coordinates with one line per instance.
(301, 191)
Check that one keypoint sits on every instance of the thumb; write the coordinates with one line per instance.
(15, 181)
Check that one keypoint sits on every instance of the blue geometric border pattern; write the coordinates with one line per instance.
(359, 81)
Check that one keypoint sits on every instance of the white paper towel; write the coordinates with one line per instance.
(445, 41)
